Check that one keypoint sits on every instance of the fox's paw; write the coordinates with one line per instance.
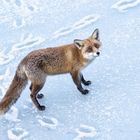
(40, 96)
(87, 83)
(85, 91)
(41, 107)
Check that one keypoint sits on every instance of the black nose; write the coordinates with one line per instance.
(98, 53)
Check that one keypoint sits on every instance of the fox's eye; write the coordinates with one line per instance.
(97, 46)
(89, 49)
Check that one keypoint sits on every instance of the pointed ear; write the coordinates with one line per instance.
(78, 43)
(95, 34)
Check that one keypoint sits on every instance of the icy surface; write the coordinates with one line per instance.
(111, 111)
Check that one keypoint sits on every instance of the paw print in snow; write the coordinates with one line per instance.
(51, 123)
(85, 131)
(17, 134)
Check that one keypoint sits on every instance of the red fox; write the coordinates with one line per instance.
(38, 64)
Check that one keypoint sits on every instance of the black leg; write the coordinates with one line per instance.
(35, 90)
(39, 96)
(86, 83)
(31, 87)
(77, 80)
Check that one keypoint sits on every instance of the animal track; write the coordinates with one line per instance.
(48, 122)
(5, 59)
(27, 42)
(31, 8)
(19, 11)
(12, 115)
(19, 22)
(24, 43)
(17, 134)
(86, 21)
(85, 131)
(7, 73)
(3, 85)
(18, 2)
(77, 25)
(123, 5)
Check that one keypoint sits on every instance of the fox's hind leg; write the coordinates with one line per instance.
(35, 89)
(39, 96)
(86, 83)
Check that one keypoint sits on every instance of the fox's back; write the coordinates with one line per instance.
(55, 60)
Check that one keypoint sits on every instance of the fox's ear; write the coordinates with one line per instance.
(78, 43)
(95, 34)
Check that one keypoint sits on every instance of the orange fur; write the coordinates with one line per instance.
(71, 58)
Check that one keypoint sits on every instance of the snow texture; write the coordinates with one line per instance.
(111, 111)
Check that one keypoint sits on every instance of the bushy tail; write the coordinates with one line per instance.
(13, 93)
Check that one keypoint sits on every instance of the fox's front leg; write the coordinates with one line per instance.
(86, 83)
(77, 80)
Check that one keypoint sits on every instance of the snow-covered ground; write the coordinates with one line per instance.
(111, 111)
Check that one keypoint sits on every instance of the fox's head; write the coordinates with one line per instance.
(89, 47)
